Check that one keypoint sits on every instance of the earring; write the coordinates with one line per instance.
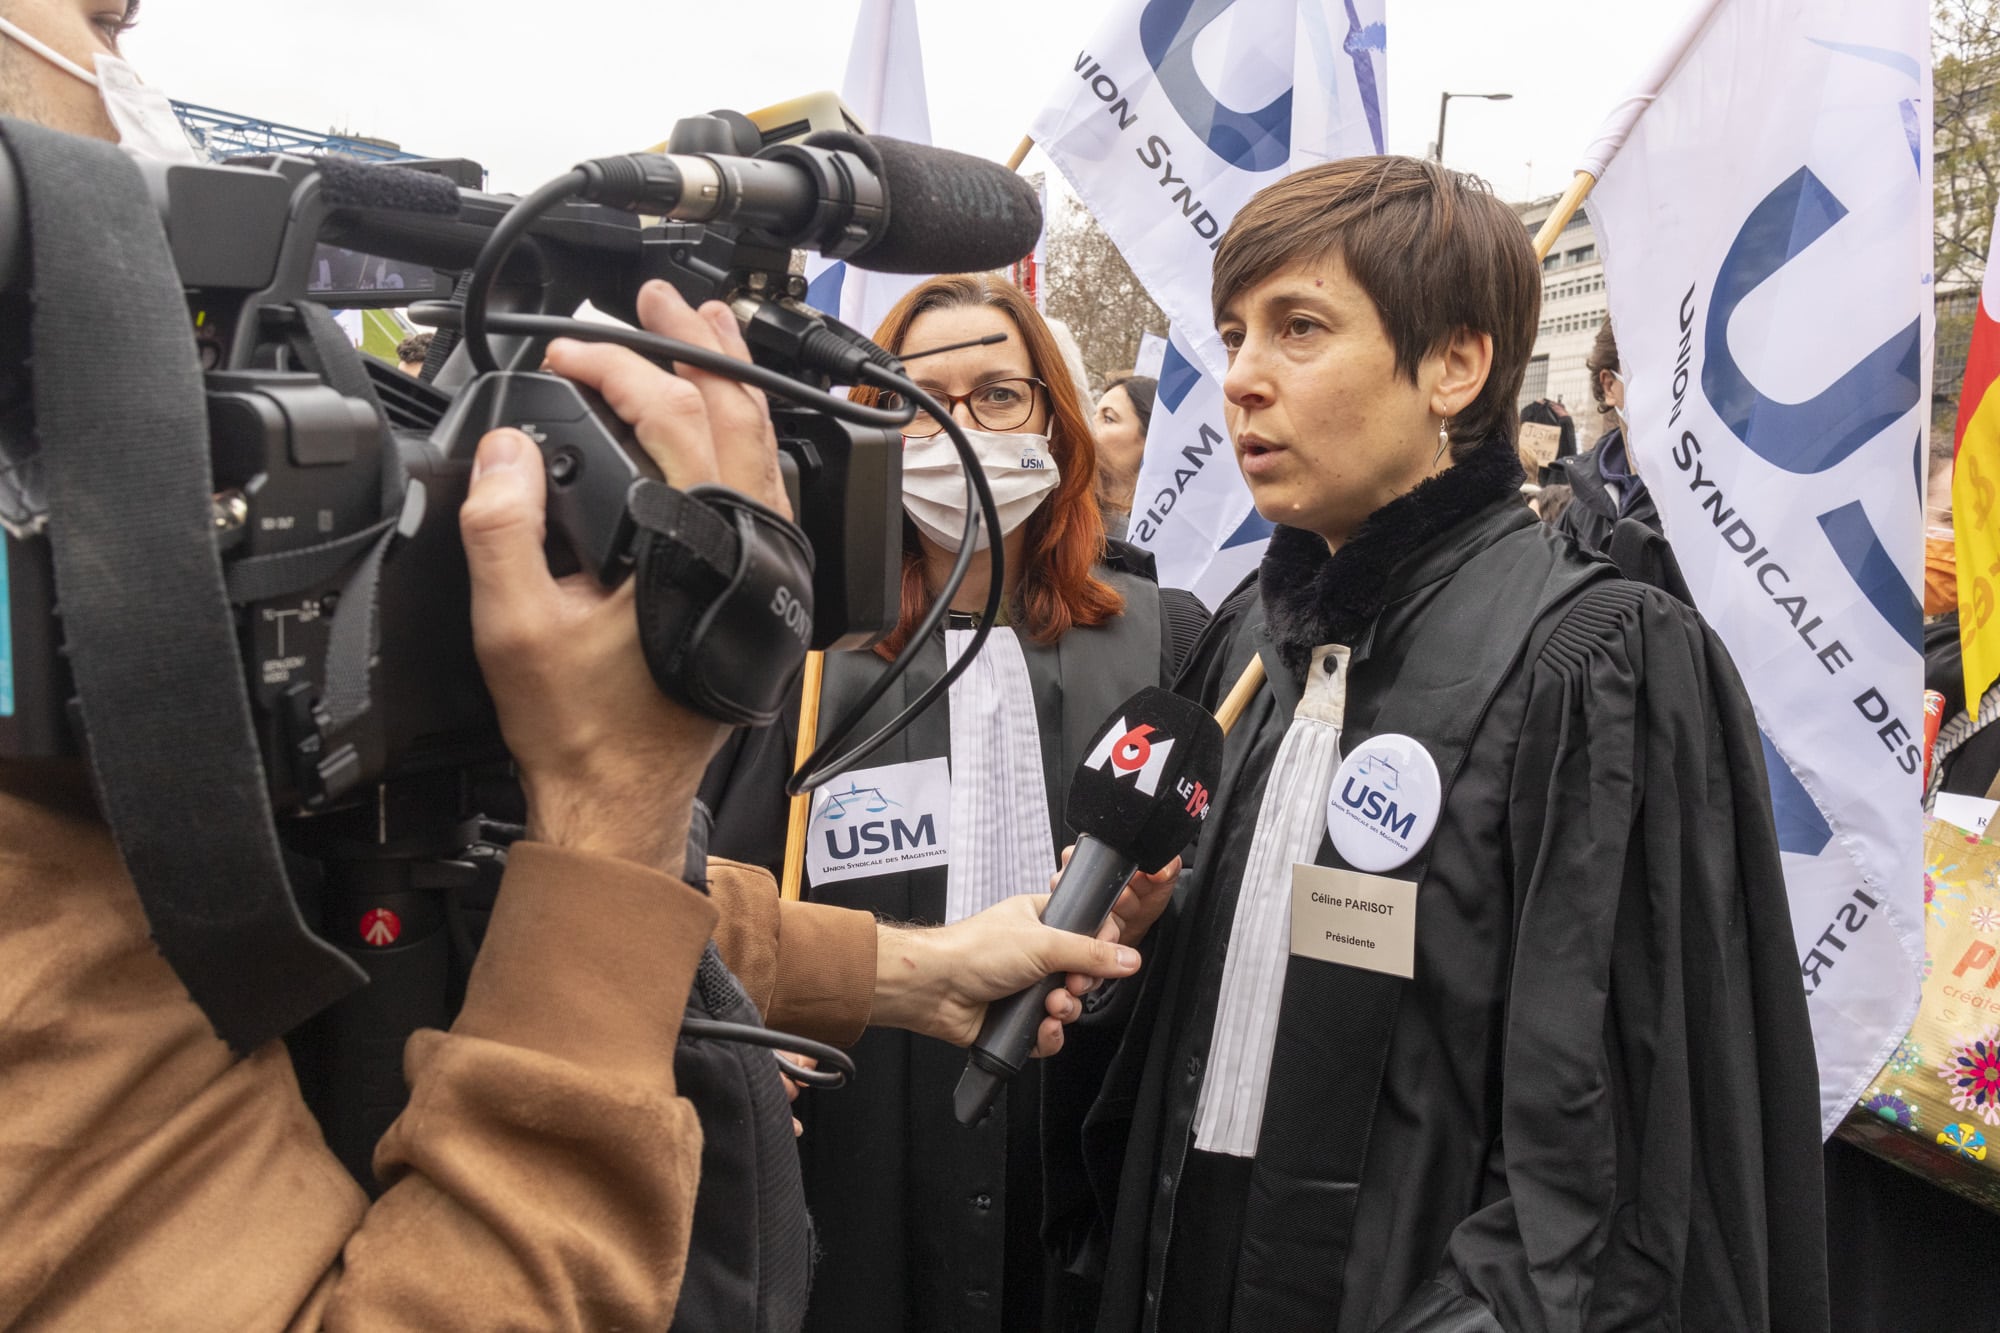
(1444, 440)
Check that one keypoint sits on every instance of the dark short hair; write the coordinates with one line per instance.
(1603, 356)
(1435, 250)
(415, 347)
(1142, 390)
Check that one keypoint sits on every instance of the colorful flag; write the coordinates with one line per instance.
(1766, 231)
(1975, 519)
(1150, 126)
(884, 88)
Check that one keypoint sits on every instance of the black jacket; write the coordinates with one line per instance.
(1626, 531)
(1596, 1103)
(924, 1223)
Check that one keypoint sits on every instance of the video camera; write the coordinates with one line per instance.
(332, 494)
(299, 464)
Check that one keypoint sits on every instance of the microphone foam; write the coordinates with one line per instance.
(947, 212)
(345, 182)
(1145, 782)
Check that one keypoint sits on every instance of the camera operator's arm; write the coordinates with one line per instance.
(544, 1173)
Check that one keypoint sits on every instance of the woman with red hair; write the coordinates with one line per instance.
(924, 1223)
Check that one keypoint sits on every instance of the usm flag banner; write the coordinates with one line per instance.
(1191, 508)
(1170, 118)
(1766, 230)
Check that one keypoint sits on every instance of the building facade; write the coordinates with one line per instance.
(1573, 306)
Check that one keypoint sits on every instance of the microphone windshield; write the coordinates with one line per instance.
(1145, 783)
(947, 212)
(346, 183)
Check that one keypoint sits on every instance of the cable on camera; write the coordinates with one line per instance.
(610, 175)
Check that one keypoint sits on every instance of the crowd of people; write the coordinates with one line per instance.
(1475, 1005)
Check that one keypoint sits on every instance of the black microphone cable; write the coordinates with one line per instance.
(664, 351)
(818, 769)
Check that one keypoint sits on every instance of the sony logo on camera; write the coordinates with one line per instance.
(790, 608)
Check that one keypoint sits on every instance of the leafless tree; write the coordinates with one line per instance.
(1965, 36)
(1091, 288)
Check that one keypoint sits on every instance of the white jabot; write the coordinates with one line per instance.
(1290, 823)
(999, 796)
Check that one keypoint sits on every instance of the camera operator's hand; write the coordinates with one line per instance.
(608, 763)
(938, 980)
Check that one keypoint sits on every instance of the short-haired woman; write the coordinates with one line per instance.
(1480, 1009)
(923, 1223)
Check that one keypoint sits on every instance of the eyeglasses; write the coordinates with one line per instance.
(996, 405)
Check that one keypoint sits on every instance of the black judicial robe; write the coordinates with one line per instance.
(924, 1223)
(1595, 1105)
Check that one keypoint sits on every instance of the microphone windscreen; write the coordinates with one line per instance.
(345, 182)
(1145, 782)
(948, 212)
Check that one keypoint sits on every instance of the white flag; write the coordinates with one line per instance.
(1191, 508)
(1767, 238)
(884, 88)
(1171, 117)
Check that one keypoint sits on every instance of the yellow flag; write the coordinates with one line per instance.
(1975, 497)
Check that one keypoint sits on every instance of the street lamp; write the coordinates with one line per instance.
(1444, 101)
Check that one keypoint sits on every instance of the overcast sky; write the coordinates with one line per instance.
(529, 89)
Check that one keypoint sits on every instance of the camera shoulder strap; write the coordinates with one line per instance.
(149, 633)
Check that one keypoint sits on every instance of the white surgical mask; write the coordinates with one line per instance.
(144, 119)
(1019, 468)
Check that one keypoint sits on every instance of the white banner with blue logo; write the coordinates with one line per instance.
(884, 88)
(1150, 126)
(1766, 230)
(1191, 508)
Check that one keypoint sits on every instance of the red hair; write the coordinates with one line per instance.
(1065, 536)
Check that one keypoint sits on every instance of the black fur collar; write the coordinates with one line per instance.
(1312, 597)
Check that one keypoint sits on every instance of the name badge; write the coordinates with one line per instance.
(879, 821)
(1384, 802)
(1970, 813)
(1343, 916)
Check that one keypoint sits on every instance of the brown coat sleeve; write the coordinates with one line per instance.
(544, 1173)
(808, 967)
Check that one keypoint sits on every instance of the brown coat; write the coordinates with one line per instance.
(543, 1174)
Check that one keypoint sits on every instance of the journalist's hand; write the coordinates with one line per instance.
(608, 763)
(939, 980)
(1137, 908)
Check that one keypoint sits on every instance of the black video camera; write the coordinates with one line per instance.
(330, 494)
(302, 466)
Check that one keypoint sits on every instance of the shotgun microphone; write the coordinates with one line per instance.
(1137, 799)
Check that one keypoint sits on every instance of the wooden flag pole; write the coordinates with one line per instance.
(1565, 209)
(1021, 152)
(801, 810)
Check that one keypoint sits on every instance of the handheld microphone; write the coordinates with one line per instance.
(879, 203)
(1137, 799)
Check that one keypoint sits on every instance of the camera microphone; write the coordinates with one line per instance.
(879, 203)
(1137, 799)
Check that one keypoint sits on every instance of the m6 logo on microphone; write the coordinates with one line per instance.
(1139, 752)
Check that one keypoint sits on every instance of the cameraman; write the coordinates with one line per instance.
(544, 1173)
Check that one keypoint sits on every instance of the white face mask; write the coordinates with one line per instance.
(1019, 468)
(144, 119)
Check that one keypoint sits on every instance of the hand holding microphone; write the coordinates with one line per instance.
(1135, 802)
